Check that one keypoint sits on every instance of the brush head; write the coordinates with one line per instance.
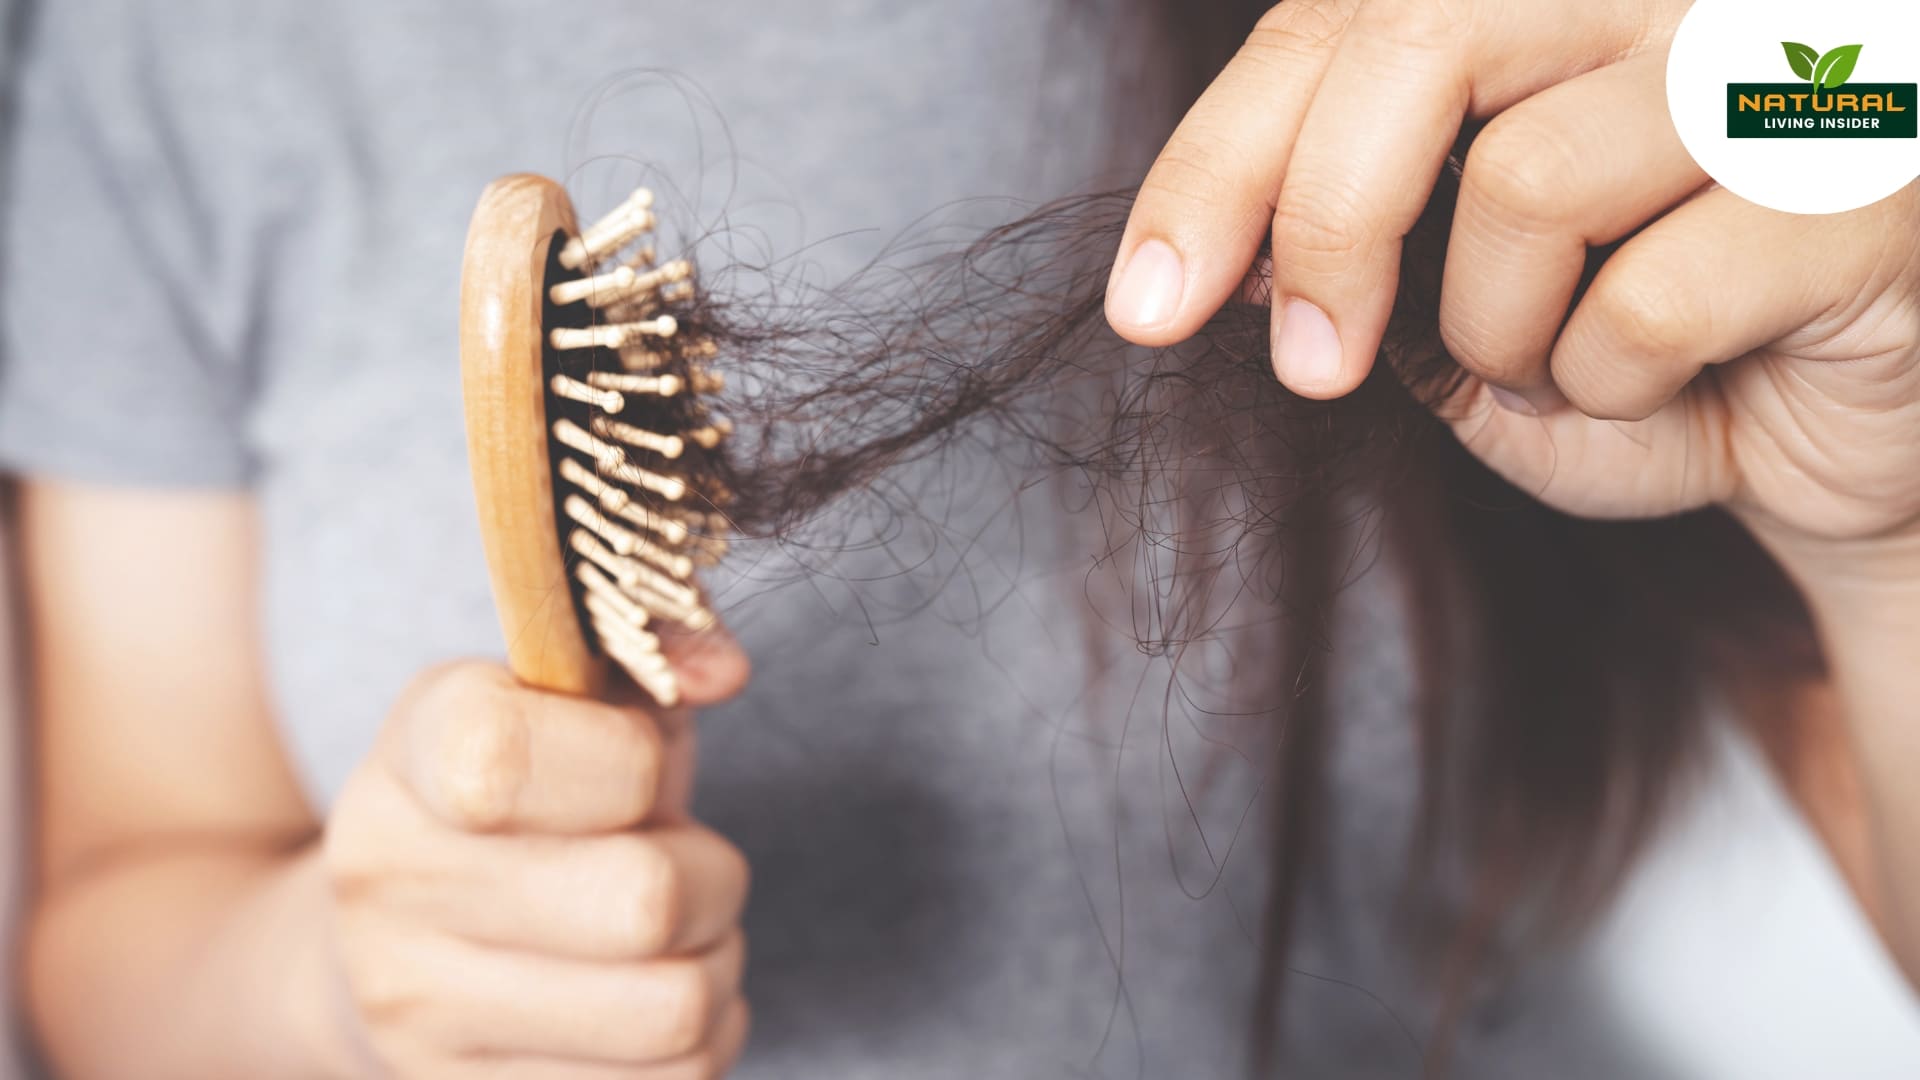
(598, 462)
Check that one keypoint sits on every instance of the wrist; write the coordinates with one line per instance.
(1854, 586)
(1864, 597)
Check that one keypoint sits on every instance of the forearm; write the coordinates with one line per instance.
(1865, 597)
(179, 924)
(192, 960)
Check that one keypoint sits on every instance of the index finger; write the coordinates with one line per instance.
(483, 753)
(1206, 205)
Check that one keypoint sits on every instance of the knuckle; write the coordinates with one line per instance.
(1435, 24)
(1484, 339)
(1208, 177)
(1601, 386)
(480, 758)
(1316, 221)
(1646, 316)
(1442, 22)
(1521, 169)
(1290, 31)
(1192, 170)
(1476, 346)
(657, 891)
(687, 1008)
(480, 770)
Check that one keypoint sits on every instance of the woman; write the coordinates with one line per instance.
(502, 882)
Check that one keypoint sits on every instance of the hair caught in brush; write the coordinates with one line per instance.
(1561, 662)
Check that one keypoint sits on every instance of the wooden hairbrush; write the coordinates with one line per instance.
(597, 465)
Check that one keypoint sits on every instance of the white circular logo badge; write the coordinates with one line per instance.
(1807, 108)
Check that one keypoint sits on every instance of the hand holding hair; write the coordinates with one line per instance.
(1326, 134)
(1722, 354)
(1710, 329)
(517, 888)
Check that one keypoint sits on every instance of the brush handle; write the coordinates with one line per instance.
(501, 343)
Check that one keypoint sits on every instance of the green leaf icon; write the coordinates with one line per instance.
(1802, 57)
(1836, 67)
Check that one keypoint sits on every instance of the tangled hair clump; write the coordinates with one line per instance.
(1005, 336)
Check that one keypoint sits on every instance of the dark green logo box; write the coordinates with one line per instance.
(1804, 121)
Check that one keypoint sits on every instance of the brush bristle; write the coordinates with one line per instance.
(639, 470)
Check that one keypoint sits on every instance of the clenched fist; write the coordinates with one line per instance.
(517, 889)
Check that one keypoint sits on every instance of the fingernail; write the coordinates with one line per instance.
(1306, 347)
(1512, 402)
(1147, 293)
